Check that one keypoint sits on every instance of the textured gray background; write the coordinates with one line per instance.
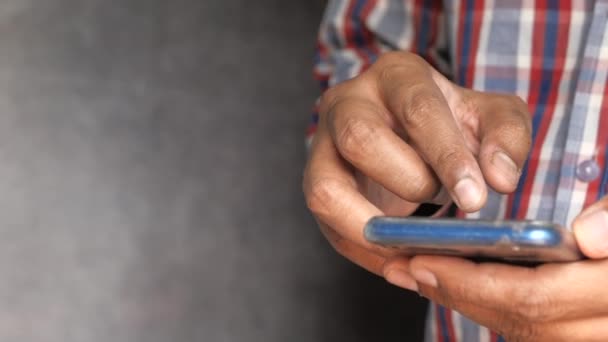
(150, 163)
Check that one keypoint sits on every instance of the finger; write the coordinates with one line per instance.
(584, 330)
(388, 202)
(514, 327)
(399, 274)
(542, 294)
(332, 195)
(484, 316)
(368, 260)
(358, 255)
(414, 98)
(366, 140)
(591, 230)
(505, 132)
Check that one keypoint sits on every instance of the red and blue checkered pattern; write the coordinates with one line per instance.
(552, 53)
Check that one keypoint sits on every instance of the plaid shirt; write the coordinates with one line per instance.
(553, 54)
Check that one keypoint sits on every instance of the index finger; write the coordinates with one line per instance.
(412, 95)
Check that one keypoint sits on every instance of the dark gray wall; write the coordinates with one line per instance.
(150, 163)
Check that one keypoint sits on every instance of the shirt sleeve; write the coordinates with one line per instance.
(354, 33)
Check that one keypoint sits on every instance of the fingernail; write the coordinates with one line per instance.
(592, 233)
(467, 193)
(506, 166)
(425, 277)
(401, 279)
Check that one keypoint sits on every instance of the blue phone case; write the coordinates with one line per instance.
(520, 241)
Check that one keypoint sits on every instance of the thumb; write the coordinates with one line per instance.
(591, 230)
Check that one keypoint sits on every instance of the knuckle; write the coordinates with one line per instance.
(417, 182)
(397, 63)
(449, 157)
(354, 138)
(339, 93)
(346, 90)
(515, 131)
(418, 105)
(390, 72)
(421, 187)
(389, 58)
(321, 195)
(329, 98)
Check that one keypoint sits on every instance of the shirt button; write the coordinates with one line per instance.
(587, 171)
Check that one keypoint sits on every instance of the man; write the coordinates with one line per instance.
(498, 106)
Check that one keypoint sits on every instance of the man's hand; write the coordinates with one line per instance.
(553, 302)
(401, 134)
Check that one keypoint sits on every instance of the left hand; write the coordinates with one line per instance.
(552, 302)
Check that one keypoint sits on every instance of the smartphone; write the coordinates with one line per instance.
(520, 242)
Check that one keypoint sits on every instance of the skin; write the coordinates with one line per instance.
(400, 134)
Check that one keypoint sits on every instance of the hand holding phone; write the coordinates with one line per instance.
(509, 241)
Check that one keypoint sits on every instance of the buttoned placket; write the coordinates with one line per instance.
(580, 169)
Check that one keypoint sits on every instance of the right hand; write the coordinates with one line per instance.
(401, 134)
